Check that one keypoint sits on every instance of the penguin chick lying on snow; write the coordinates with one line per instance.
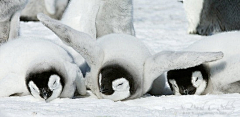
(38, 67)
(10, 11)
(121, 65)
(220, 76)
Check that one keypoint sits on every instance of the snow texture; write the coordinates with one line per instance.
(161, 25)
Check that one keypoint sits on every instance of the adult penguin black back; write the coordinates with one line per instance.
(190, 81)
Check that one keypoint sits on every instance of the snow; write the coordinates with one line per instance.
(161, 25)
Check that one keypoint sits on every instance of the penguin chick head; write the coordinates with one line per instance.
(190, 81)
(115, 83)
(45, 85)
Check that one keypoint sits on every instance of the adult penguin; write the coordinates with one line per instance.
(206, 17)
(10, 11)
(100, 17)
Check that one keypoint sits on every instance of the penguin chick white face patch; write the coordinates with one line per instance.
(198, 82)
(55, 86)
(174, 86)
(115, 82)
(121, 90)
(34, 90)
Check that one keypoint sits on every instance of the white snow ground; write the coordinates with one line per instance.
(161, 25)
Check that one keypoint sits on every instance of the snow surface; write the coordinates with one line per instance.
(161, 25)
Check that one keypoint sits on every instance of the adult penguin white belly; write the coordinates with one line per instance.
(224, 76)
(31, 65)
(121, 65)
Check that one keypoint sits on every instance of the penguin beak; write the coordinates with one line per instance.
(44, 94)
(103, 90)
(185, 92)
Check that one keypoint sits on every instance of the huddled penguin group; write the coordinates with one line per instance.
(117, 66)
(121, 65)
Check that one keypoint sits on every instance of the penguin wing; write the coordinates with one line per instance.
(168, 60)
(81, 42)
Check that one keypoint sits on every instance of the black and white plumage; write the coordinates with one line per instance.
(122, 60)
(190, 81)
(100, 17)
(224, 74)
(39, 67)
(10, 11)
(53, 8)
(206, 17)
(46, 85)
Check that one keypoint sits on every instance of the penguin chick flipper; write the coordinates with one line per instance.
(81, 42)
(10, 86)
(169, 60)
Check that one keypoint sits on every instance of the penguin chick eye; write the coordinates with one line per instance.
(196, 79)
(120, 84)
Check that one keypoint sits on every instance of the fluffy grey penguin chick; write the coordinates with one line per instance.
(121, 65)
(218, 77)
(10, 11)
(39, 67)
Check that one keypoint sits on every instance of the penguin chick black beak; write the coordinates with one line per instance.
(45, 94)
(185, 92)
(103, 90)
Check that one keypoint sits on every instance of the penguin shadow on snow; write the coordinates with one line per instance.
(121, 66)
